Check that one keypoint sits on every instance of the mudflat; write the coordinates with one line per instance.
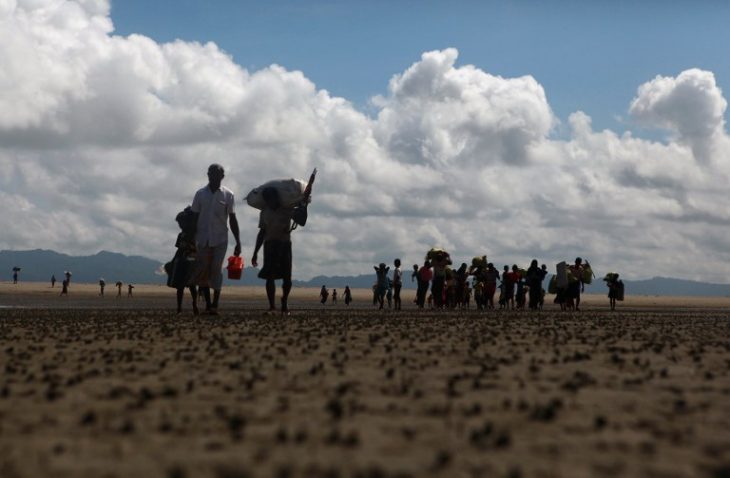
(106, 386)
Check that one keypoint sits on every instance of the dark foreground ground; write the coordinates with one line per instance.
(360, 393)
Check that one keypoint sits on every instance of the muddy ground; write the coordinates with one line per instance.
(335, 392)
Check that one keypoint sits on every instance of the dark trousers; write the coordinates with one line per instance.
(421, 293)
(535, 293)
(437, 290)
(396, 295)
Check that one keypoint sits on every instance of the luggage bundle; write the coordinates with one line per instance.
(587, 274)
(610, 277)
(291, 192)
(562, 275)
(180, 271)
(479, 261)
(437, 254)
(553, 285)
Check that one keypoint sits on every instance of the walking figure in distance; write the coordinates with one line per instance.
(397, 284)
(576, 286)
(381, 284)
(348, 295)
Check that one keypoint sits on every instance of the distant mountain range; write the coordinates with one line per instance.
(38, 266)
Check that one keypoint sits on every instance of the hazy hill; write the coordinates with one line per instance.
(38, 266)
(668, 286)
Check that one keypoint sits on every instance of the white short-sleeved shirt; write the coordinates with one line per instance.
(213, 209)
(397, 276)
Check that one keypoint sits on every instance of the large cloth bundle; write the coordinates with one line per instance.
(180, 271)
(610, 277)
(479, 261)
(291, 192)
(553, 285)
(437, 254)
(587, 274)
(562, 275)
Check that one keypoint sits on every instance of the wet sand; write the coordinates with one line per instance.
(94, 386)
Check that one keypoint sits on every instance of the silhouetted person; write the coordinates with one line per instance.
(129, 290)
(348, 295)
(575, 287)
(102, 284)
(275, 227)
(425, 274)
(334, 296)
(183, 264)
(119, 288)
(381, 282)
(440, 262)
(323, 295)
(53, 281)
(215, 208)
(15, 275)
(534, 279)
(64, 287)
(397, 284)
(67, 274)
(613, 289)
(491, 276)
(414, 274)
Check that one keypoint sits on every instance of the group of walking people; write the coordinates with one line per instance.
(440, 286)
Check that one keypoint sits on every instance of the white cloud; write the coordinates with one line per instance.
(691, 106)
(104, 138)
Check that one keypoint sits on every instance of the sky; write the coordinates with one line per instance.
(512, 129)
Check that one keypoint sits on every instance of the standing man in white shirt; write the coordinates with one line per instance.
(214, 207)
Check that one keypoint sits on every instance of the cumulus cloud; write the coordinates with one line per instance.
(691, 106)
(104, 138)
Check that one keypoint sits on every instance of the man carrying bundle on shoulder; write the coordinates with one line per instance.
(576, 285)
(279, 216)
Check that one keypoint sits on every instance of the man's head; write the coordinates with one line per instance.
(216, 173)
(578, 261)
(397, 262)
(533, 263)
(271, 198)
